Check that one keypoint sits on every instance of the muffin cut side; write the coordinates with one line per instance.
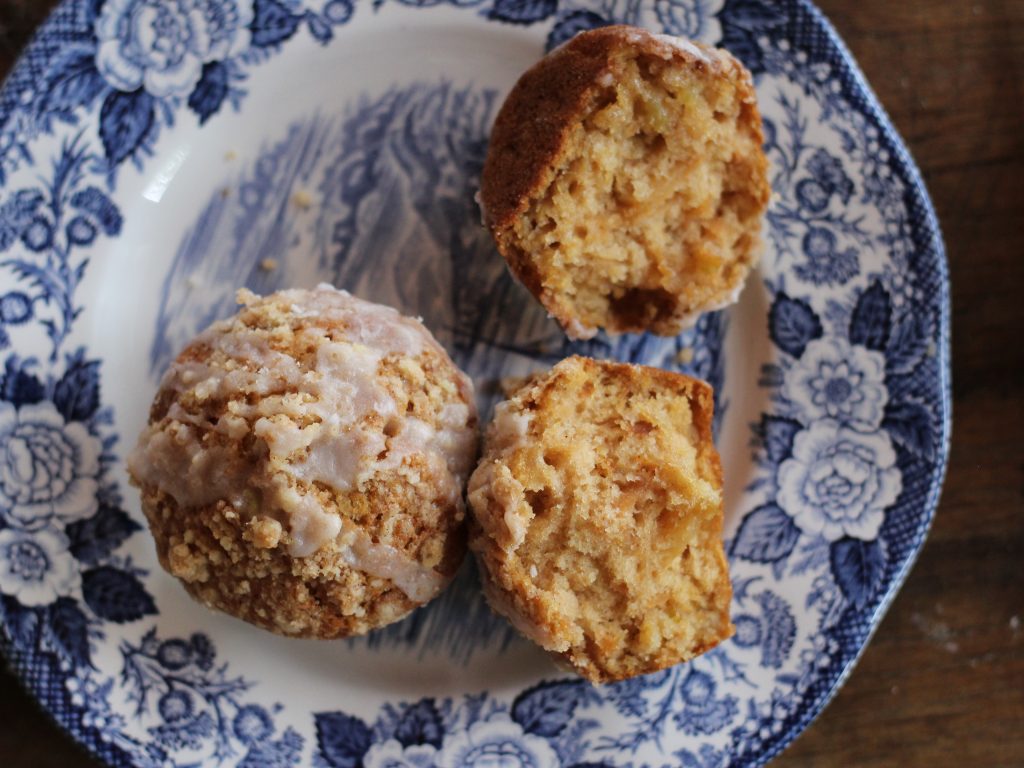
(600, 525)
(649, 211)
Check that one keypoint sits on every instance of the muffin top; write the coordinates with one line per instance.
(321, 420)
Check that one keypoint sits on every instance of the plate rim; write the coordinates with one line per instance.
(916, 187)
(847, 70)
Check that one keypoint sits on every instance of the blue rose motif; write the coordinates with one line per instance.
(839, 482)
(188, 733)
(688, 19)
(778, 630)
(97, 209)
(571, 24)
(496, 743)
(37, 568)
(80, 231)
(98, 717)
(834, 379)
(812, 195)
(47, 467)
(163, 44)
(391, 754)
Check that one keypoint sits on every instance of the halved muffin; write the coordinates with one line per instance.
(597, 517)
(626, 182)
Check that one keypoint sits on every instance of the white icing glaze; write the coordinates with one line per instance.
(283, 437)
(453, 441)
(448, 452)
(347, 391)
(324, 425)
(340, 460)
(577, 331)
(414, 437)
(698, 52)
(373, 325)
(175, 461)
(489, 487)
(509, 429)
(310, 525)
(417, 581)
(267, 372)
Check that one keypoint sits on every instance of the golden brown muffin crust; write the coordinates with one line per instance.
(597, 518)
(538, 130)
(229, 403)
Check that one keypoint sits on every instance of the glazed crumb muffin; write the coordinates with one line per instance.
(304, 464)
(625, 181)
(597, 518)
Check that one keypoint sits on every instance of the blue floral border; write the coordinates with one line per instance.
(127, 132)
(810, 30)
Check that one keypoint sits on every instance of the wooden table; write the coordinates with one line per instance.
(942, 683)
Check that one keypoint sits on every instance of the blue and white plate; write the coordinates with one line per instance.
(157, 154)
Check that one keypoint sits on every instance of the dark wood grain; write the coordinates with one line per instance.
(942, 683)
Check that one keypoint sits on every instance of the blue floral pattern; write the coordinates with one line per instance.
(44, 230)
(163, 46)
(37, 567)
(196, 707)
(839, 482)
(498, 740)
(836, 380)
(849, 446)
(139, 61)
(393, 754)
(49, 467)
(537, 731)
(60, 519)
